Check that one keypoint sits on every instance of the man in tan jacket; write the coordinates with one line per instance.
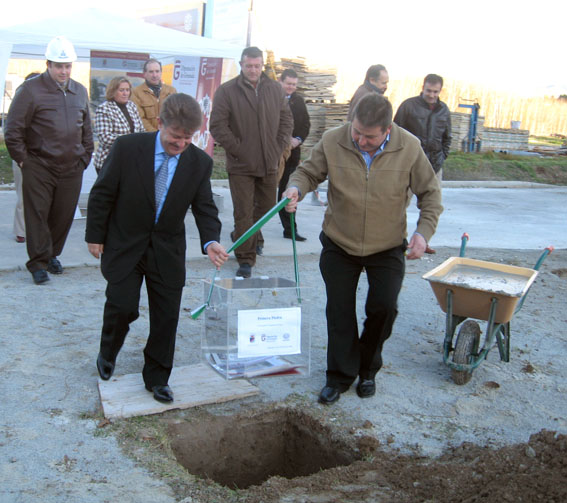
(150, 95)
(370, 163)
(252, 121)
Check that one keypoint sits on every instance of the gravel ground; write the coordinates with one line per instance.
(53, 449)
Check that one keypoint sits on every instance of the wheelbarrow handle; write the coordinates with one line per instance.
(543, 256)
(464, 238)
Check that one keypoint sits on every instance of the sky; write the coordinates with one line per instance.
(517, 46)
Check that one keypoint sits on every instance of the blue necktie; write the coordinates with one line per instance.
(161, 179)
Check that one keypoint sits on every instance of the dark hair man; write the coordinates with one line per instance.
(301, 126)
(252, 121)
(149, 95)
(370, 164)
(428, 118)
(135, 223)
(376, 81)
(48, 133)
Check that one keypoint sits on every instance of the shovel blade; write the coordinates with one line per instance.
(197, 312)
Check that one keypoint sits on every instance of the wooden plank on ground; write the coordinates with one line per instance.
(125, 396)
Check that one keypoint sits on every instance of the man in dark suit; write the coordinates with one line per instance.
(135, 222)
(301, 126)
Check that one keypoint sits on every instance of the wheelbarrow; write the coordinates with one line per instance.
(467, 288)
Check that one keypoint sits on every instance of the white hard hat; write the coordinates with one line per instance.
(60, 50)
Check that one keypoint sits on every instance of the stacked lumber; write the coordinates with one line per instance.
(460, 124)
(490, 138)
(314, 83)
(324, 116)
(504, 139)
(549, 149)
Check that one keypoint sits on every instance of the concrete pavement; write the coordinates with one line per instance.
(499, 215)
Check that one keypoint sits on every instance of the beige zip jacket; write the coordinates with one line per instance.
(366, 210)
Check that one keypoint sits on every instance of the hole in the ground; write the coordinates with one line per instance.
(241, 451)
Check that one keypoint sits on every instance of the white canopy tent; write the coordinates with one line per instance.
(94, 29)
(101, 30)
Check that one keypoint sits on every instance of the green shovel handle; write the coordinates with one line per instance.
(255, 228)
(258, 225)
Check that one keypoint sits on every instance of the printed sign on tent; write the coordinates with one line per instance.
(200, 78)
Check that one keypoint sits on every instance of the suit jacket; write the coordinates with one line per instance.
(121, 210)
(301, 126)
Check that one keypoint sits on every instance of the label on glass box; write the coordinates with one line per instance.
(269, 332)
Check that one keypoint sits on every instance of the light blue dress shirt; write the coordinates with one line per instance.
(171, 167)
(367, 157)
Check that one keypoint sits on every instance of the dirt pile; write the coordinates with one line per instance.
(535, 471)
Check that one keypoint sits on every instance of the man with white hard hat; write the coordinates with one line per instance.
(48, 133)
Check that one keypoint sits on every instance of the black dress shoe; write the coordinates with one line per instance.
(259, 250)
(162, 392)
(54, 266)
(104, 367)
(366, 388)
(298, 237)
(40, 276)
(330, 394)
(244, 271)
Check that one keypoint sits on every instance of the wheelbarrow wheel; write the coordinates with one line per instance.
(466, 346)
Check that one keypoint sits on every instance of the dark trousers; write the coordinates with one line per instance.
(50, 201)
(121, 309)
(284, 215)
(349, 355)
(252, 197)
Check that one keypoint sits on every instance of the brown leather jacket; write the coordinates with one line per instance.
(252, 125)
(51, 125)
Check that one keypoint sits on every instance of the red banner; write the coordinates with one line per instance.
(210, 73)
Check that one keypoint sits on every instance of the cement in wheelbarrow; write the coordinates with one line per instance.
(476, 282)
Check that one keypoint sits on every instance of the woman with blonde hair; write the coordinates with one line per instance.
(115, 117)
